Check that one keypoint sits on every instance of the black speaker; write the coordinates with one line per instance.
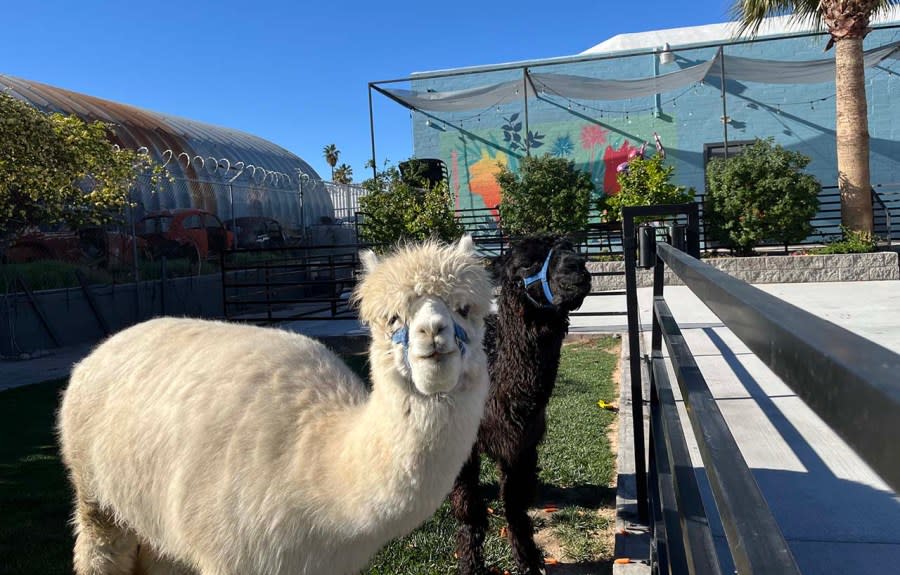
(419, 171)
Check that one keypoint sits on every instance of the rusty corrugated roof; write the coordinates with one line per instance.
(135, 127)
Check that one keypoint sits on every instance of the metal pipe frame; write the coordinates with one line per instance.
(847, 380)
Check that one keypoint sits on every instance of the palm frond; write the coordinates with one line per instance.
(750, 14)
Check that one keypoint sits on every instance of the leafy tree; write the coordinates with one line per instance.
(399, 209)
(343, 174)
(331, 154)
(548, 194)
(646, 182)
(60, 169)
(760, 195)
(847, 21)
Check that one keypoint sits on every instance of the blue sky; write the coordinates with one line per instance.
(296, 73)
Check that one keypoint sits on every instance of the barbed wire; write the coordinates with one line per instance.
(222, 167)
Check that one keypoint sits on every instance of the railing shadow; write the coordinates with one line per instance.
(848, 511)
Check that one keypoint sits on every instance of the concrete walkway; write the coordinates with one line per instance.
(837, 515)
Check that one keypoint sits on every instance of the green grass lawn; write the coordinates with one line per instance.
(578, 468)
(34, 493)
(577, 476)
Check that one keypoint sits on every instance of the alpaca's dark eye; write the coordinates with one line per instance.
(394, 319)
(463, 311)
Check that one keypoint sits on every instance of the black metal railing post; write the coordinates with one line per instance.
(634, 362)
(637, 400)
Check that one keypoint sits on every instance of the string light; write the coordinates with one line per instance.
(625, 113)
(603, 112)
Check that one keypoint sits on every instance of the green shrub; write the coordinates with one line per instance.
(760, 195)
(853, 242)
(646, 182)
(546, 195)
(398, 210)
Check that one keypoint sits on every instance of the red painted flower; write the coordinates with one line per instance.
(592, 135)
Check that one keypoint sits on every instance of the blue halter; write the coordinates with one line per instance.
(541, 277)
(401, 337)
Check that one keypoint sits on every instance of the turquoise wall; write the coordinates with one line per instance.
(597, 135)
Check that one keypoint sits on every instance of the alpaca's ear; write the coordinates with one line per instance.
(466, 245)
(369, 260)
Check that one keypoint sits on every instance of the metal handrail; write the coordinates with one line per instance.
(754, 537)
(846, 380)
(810, 355)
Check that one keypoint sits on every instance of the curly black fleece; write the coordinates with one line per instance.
(523, 343)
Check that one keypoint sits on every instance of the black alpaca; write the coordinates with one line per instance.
(541, 280)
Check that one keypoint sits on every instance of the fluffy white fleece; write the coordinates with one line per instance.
(232, 449)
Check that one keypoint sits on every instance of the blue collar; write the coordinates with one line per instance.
(401, 337)
(541, 277)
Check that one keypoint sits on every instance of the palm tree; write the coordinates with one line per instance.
(343, 174)
(847, 21)
(331, 154)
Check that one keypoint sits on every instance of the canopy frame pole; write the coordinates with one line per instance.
(525, 103)
(657, 98)
(724, 103)
(372, 134)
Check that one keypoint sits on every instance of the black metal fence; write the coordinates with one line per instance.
(602, 238)
(850, 382)
(289, 284)
(826, 223)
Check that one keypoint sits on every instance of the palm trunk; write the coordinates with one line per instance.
(852, 131)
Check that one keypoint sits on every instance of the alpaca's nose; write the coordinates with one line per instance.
(433, 326)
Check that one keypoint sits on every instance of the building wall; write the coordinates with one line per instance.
(597, 135)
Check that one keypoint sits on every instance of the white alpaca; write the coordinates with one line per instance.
(231, 449)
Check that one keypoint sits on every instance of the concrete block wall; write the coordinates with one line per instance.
(772, 269)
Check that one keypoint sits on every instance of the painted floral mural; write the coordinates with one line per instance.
(592, 137)
(563, 146)
(483, 181)
(474, 156)
(612, 157)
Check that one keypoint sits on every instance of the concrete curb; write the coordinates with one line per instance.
(632, 538)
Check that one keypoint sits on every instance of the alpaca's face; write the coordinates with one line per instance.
(433, 355)
(425, 306)
(570, 280)
(567, 276)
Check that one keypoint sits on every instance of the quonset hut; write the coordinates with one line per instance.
(227, 172)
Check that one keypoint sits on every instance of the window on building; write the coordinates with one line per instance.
(717, 150)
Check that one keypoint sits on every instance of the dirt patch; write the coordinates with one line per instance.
(554, 549)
